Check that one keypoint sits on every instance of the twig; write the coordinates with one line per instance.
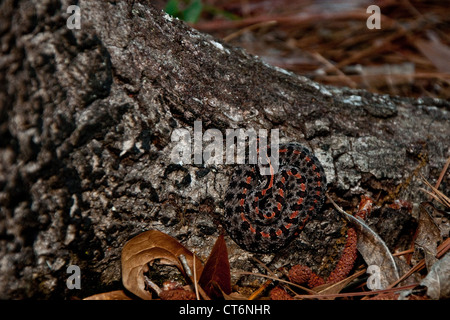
(258, 291)
(355, 294)
(195, 278)
(264, 286)
(249, 28)
(276, 279)
(439, 196)
(186, 267)
(441, 250)
(441, 176)
(152, 285)
(329, 66)
(295, 20)
(401, 253)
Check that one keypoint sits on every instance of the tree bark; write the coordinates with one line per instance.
(86, 118)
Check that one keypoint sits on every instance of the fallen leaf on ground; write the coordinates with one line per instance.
(373, 250)
(111, 295)
(428, 234)
(217, 270)
(146, 248)
(438, 279)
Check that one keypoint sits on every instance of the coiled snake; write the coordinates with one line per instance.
(264, 213)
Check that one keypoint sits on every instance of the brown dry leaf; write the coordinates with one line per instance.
(144, 249)
(111, 295)
(438, 279)
(375, 252)
(217, 270)
(428, 233)
(234, 296)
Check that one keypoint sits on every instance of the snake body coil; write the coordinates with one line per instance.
(264, 213)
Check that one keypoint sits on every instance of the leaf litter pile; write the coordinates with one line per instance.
(330, 44)
(382, 276)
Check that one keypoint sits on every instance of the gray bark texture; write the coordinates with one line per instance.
(86, 118)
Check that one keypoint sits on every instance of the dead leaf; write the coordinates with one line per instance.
(438, 279)
(145, 249)
(373, 249)
(217, 270)
(375, 252)
(428, 234)
(111, 295)
(234, 296)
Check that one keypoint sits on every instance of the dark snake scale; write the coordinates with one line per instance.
(264, 213)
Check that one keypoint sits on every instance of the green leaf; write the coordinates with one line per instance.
(172, 8)
(193, 11)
